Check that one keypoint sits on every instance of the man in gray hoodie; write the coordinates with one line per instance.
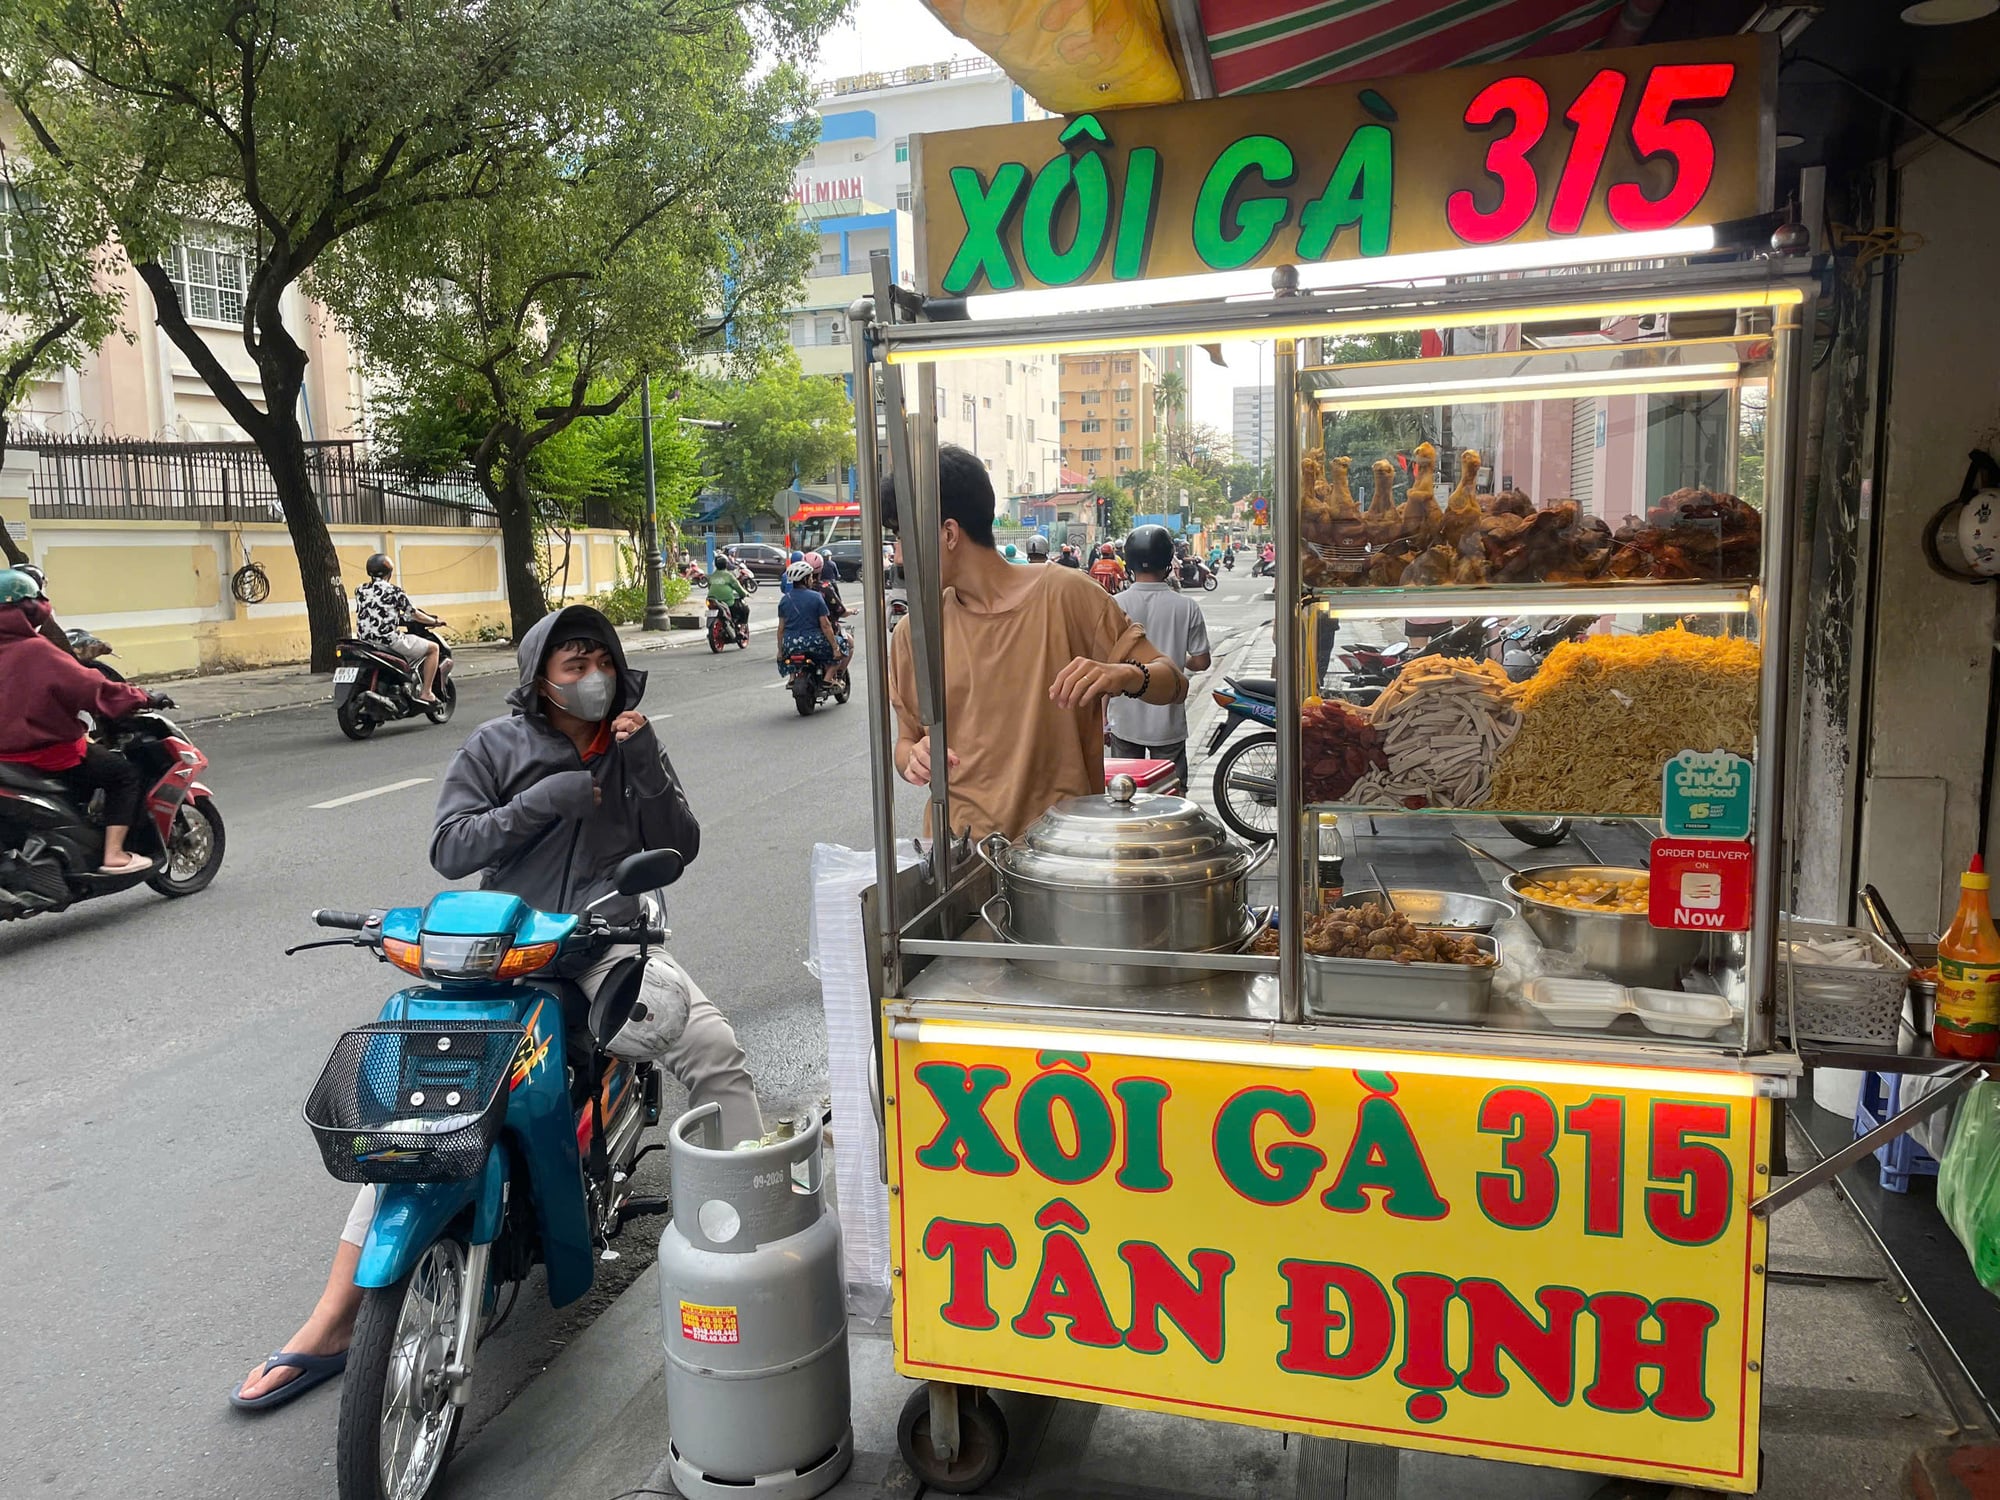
(545, 804)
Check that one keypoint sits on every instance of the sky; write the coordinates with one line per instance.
(882, 34)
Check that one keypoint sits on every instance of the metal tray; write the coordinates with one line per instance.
(1378, 990)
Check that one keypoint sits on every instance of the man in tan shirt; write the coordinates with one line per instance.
(1030, 656)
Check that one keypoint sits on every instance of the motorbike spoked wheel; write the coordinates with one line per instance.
(447, 693)
(397, 1418)
(803, 695)
(353, 722)
(1246, 788)
(194, 850)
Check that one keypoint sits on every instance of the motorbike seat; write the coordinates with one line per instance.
(28, 779)
(1263, 688)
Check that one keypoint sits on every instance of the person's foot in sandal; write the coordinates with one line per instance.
(286, 1376)
(127, 864)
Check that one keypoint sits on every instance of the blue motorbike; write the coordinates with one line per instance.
(499, 1134)
(1246, 779)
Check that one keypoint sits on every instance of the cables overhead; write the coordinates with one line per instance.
(1896, 109)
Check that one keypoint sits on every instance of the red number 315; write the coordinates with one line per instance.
(1592, 119)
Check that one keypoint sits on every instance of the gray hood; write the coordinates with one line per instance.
(568, 624)
(520, 809)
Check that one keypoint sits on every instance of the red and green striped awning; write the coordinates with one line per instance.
(1281, 44)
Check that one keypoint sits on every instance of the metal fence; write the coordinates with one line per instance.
(92, 479)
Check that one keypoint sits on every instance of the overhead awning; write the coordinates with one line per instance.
(1281, 44)
(1075, 55)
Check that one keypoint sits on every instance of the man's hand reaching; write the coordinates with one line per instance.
(917, 769)
(627, 724)
(1085, 682)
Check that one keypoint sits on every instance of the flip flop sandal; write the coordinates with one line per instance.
(314, 1369)
(134, 863)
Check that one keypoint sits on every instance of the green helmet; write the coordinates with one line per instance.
(17, 587)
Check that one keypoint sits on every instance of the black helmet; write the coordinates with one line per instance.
(381, 565)
(1150, 549)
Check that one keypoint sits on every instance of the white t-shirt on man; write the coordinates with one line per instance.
(1174, 624)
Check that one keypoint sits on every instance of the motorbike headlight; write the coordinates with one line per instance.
(450, 956)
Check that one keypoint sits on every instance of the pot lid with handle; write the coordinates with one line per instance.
(1125, 837)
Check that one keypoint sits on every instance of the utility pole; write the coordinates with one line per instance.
(656, 599)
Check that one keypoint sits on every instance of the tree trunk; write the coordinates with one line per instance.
(12, 548)
(526, 602)
(283, 447)
(274, 428)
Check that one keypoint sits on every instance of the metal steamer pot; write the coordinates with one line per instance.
(1124, 870)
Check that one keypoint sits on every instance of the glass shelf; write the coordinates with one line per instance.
(1455, 602)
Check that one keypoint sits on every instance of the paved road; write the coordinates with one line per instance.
(168, 1217)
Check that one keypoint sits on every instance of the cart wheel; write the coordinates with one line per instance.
(982, 1442)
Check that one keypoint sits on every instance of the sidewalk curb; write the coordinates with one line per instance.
(473, 660)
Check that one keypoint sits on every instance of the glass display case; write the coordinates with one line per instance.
(1535, 582)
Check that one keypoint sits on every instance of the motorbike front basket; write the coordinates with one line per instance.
(413, 1101)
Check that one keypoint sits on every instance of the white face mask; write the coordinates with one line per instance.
(589, 697)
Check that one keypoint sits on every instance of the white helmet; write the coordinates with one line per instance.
(801, 572)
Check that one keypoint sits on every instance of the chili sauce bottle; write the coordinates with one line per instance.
(1967, 1019)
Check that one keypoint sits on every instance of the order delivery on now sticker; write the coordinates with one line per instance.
(702, 1324)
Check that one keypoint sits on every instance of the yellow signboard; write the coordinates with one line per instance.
(1563, 1271)
(1595, 143)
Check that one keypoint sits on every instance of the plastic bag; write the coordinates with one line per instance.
(1968, 1192)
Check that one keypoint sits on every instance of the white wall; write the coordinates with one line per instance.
(1933, 638)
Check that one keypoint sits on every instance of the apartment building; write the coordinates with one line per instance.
(1252, 428)
(1107, 411)
(857, 191)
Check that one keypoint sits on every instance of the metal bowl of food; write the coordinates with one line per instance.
(1448, 909)
(1576, 909)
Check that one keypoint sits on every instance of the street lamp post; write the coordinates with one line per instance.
(656, 599)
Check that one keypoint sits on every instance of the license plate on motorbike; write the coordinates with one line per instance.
(346, 674)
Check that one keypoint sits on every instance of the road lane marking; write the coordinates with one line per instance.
(373, 791)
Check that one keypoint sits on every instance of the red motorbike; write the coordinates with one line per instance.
(50, 847)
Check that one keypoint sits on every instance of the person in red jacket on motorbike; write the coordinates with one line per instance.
(43, 689)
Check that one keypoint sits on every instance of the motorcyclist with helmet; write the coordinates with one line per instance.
(1069, 557)
(723, 589)
(1108, 570)
(383, 614)
(43, 689)
(1038, 549)
(805, 622)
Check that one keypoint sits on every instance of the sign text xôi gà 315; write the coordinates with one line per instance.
(1593, 144)
(1558, 1273)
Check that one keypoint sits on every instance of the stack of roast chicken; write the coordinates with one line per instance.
(1505, 537)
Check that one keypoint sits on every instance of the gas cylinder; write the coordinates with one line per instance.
(753, 1317)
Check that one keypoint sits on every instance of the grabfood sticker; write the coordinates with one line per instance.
(1706, 794)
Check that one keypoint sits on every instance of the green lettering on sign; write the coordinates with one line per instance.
(1360, 192)
(1060, 176)
(1224, 247)
(987, 208)
(1135, 214)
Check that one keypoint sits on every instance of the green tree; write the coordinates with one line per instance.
(785, 426)
(1170, 399)
(58, 289)
(637, 249)
(287, 128)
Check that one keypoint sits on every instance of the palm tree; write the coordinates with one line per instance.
(1170, 397)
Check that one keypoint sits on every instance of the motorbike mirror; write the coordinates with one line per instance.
(649, 871)
(616, 1000)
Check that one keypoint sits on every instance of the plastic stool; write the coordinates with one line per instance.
(1902, 1159)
